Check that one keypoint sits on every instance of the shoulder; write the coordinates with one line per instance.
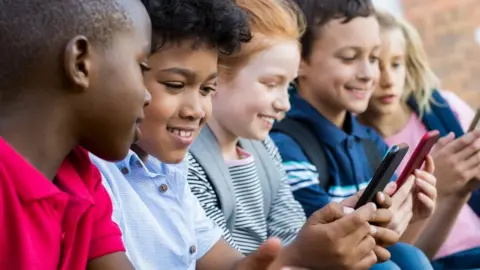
(462, 110)
(288, 148)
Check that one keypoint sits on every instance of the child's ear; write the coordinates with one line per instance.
(78, 61)
(302, 69)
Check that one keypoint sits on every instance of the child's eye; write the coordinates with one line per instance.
(374, 59)
(396, 65)
(174, 86)
(208, 89)
(144, 67)
(348, 59)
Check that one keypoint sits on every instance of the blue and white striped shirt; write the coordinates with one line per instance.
(163, 224)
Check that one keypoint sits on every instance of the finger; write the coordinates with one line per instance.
(352, 200)
(331, 212)
(472, 162)
(426, 176)
(357, 221)
(427, 201)
(383, 200)
(363, 248)
(390, 188)
(442, 142)
(468, 151)
(402, 193)
(402, 215)
(368, 261)
(382, 254)
(386, 237)
(426, 188)
(461, 143)
(264, 256)
(382, 216)
(429, 164)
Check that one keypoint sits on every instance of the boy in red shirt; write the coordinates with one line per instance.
(70, 79)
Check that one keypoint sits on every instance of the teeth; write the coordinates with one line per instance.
(270, 120)
(181, 133)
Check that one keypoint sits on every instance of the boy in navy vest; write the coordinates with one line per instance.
(336, 78)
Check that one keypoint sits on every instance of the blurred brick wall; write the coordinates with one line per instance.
(448, 31)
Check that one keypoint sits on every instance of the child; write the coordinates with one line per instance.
(336, 78)
(62, 67)
(403, 107)
(164, 226)
(240, 181)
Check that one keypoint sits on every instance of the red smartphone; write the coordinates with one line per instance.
(418, 157)
(476, 122)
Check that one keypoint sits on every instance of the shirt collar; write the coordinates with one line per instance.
(325, 130)
(152, 167)
(30, 184)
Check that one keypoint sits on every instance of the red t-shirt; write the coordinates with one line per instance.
(60, 225)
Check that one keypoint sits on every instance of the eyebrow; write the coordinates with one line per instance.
(187, 73)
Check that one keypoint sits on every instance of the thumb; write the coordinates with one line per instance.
(329, 213)
(263, 257)
(390, 188)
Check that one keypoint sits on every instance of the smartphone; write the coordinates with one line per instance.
(418, 157)
(383, 174)
(476, 122)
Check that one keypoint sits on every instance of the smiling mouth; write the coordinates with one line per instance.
(187, 134)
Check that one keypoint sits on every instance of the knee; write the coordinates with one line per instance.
(409, 257)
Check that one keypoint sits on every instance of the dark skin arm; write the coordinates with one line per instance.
(223, 257)
(113, 261)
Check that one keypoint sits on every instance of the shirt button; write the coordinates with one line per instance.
(163, 188)
(193, 249)
(125, 170)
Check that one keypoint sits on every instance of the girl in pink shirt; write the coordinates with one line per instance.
(403, 109)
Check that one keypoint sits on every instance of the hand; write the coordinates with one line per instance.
(333, 238)
(265, 257)
(457, 162)
(402, 207)
(384, 236)
(425, 192)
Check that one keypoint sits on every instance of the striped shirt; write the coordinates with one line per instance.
(252, 225)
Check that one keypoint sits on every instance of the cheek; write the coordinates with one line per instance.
(160, 109)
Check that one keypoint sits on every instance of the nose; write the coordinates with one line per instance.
(148, 98)
(386, 80)
(193, 108)
(367, 71)
(282, 102)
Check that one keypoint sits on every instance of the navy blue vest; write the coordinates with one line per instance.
(443, 119)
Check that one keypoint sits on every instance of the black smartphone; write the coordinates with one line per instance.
(383, 174)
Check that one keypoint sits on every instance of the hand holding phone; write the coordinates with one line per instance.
(418, 157)
(383, 174)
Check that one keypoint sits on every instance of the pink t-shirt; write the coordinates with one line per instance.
(465, 233)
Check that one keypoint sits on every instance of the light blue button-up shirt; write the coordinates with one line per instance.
(163, 224)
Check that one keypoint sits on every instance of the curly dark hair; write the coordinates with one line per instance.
(219, 23)
(319, 12)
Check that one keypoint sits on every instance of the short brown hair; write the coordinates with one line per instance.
(319, 12)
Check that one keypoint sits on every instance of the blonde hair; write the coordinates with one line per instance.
(420, 79)
(269, 22)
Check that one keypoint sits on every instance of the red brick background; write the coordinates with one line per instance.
(448, 31)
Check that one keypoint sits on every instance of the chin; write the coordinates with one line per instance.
(174, 157)
(357, 107)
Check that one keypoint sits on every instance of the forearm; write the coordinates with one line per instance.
(440, 224)
(222, 256)
(413, 231)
